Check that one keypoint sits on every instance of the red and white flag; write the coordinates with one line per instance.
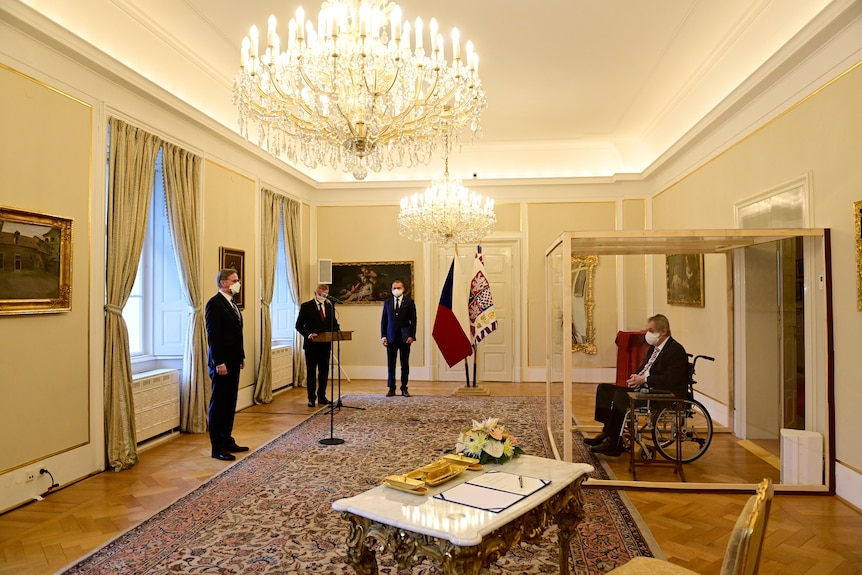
(449, 324)
(481, 305)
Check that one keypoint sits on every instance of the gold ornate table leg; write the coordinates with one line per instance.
(568, 512)
(359, 556)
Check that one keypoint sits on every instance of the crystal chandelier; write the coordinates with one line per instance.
(359, 92)
(447, 213)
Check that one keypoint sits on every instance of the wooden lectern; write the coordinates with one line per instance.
(334, 336)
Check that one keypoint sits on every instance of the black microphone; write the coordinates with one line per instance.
(331, 298)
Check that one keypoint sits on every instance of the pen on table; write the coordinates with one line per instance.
(521, 481)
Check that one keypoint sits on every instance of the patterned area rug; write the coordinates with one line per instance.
(271, 511)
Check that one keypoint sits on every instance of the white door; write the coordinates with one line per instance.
(496, 354)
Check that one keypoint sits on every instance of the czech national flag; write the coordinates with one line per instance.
(448, 331)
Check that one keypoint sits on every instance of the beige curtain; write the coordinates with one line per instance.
(182, 171)
(269, 220)
(132, 168)
(292, 230)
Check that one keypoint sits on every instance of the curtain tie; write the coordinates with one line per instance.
(115, 309)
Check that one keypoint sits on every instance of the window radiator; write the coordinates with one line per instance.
(157, 402)
(282, 366)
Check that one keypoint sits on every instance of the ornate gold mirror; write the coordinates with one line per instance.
(583, 302)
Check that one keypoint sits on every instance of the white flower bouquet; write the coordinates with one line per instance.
(488, 441)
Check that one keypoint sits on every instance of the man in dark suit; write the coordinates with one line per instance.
(665, 367)
(316, 316)
(398, 332)
(226, 359)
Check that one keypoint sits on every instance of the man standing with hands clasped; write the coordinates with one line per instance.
(665, 367)
(226, 359)
(316, 316)
(398, 332)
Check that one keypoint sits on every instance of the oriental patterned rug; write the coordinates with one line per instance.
(271, 511)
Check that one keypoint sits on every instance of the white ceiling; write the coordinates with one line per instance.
(575, 88)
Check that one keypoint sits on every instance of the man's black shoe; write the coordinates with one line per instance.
(597, 440)
(323, 401)
(390, 393)
(405, 393)
(223, 455)
(236, 448)
(310, 404)
(609, 448)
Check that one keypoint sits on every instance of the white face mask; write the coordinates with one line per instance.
(652, 337)
(321, 297)
(397, 292)
(234, 288)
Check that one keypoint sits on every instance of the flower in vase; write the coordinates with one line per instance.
(488, 441)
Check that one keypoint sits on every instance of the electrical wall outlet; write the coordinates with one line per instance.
(31, 475)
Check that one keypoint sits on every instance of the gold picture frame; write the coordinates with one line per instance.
(583, 304)
(230, 258)
(685, 279)
(35, 262)
(369, 282)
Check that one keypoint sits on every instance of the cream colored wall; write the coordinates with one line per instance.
(634, 278)
(231, 222)
(822, 137)
(370, 234)
(545, 222)
(45, 161)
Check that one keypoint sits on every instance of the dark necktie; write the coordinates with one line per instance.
(322, 315)
(397, 303)
(235, 309)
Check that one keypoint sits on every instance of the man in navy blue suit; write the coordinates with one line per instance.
(398, 332)
(665, 367)
(316, 316)
(226, 359)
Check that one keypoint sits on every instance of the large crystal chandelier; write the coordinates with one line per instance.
(447, 213)
(359, 92)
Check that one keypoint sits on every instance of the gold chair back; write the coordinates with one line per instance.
(746, 539)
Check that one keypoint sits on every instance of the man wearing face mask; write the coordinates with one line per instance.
(398, 332)
(226, 359)
(316, 316)
(665, 367)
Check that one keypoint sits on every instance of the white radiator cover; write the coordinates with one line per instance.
(801, 457)
(282, 366)
(157, 402)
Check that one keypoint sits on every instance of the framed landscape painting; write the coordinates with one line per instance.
(35, 262)
(364, 283)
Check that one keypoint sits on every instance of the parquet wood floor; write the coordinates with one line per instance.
(808, 535)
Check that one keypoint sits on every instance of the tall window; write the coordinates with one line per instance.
(157, 314)
(283, 307)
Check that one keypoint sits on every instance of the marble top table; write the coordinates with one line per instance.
(460, 539)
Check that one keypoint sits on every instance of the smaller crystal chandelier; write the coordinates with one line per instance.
(359, 92)
(447, 213)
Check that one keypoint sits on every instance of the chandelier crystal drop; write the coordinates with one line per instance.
(359, 92)
(447, 213)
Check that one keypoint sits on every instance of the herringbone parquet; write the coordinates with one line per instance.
(806, 535)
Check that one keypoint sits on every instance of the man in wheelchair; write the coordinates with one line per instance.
(665, 368)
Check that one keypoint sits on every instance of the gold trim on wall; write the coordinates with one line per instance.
(857, 209)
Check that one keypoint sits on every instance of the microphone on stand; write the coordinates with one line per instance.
(331, 298)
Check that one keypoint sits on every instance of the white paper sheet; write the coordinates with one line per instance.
(493, 491)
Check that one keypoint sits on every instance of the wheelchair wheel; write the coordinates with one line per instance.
(696, 432)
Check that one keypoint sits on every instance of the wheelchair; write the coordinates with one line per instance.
(657, 429)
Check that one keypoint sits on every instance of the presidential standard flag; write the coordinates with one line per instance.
(481, 305)
(448, 329)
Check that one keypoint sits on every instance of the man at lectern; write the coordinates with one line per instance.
(398, 332)
(316, 316)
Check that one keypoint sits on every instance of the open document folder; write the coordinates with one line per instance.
(493, 491)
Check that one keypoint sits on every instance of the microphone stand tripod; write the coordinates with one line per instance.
(333, 405)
